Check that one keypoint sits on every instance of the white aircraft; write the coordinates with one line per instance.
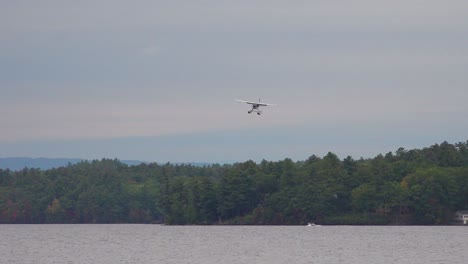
(255, 106)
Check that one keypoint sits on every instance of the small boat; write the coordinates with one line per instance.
(312, 224)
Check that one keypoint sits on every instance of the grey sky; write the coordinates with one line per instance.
(155, 80)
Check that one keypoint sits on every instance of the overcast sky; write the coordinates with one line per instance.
(156, 80)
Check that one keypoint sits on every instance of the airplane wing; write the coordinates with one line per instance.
(265, 104)
(254, 103)
(247, 102)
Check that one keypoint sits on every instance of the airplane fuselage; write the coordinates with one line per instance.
(255, 108)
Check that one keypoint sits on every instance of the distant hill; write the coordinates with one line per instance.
(19, 163)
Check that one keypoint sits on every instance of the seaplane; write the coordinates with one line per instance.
(255, 106)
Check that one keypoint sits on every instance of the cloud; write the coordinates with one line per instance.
(122, 15)
(87, 69)
(152, 50)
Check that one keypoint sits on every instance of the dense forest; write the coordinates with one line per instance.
(418, 186)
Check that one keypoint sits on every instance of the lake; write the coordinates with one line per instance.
(112, 244)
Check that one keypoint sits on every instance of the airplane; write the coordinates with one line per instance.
(255, 106)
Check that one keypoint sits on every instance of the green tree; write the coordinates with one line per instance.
(235, 194)
(364, 197)
(55, 213)
(433, 195)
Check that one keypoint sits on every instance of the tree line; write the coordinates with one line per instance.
(418, 186)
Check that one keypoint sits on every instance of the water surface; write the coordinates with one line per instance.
(112, 244)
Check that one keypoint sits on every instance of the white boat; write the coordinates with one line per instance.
(312, 224)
